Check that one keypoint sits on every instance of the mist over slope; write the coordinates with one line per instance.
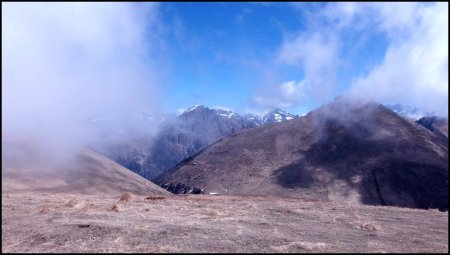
(88, 173)
(354, 152)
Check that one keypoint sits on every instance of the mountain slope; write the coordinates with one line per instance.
(89, 173)
(354, 153)
(192, 131)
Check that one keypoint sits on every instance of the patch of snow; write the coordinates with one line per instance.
(213, 193)
(180, 111)
(193, 108)
(278, 117)
(228, 114)
(289, 118)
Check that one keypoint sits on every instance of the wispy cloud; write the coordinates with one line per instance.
(284, 95)
(316, 56)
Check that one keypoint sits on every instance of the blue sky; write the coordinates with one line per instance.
(219, 49)
(224, 54)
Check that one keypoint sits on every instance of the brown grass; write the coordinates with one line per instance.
(222, 224)
(368, 226)
(86, 207)
(72, 202)
(115, 208)
(44, 209)
(126, 197)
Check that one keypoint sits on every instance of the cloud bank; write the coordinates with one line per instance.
(65, 64)
(413, 70)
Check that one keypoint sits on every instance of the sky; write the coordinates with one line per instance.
(296, 56)
(64, 64)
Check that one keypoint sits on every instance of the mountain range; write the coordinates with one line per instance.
(181, 137)
(361, 153)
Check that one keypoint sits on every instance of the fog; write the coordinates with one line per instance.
(66, 64)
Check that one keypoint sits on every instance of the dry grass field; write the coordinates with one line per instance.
(52, 222)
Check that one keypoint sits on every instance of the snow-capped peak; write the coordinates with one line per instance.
(222, 111)
(271, 116)
(276, 115)
(193, 108)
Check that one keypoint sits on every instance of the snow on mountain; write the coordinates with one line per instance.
(267, 117)
(271, 116)
(194, 107)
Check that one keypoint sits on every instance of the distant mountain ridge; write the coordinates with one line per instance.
(270, 116)
(179, 138)
(343, 151)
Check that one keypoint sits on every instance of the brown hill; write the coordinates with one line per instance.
(89, 173)
(344, 151)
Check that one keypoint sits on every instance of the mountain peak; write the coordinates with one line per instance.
(195, 107)
(275, 115)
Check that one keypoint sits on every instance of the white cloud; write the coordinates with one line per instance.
(414, 69)
(316, 55)
(66, 63)
(221, 107)
(284, 95)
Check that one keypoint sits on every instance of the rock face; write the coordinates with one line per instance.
(344, 151)
(192, 131)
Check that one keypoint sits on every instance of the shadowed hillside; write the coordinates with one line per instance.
(344, 151)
